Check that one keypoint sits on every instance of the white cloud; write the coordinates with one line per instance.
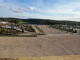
(27, 9)
(19, 10)
(15, 10)
(61, 9)
(1, 5)
(57, 11)
(30, 8)
(22, 8)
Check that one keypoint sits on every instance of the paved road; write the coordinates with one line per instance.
(45, 45)
(50, 31)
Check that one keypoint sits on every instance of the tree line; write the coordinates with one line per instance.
(40, 21)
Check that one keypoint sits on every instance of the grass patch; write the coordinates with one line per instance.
(33, 35)
(64, 30)
(39, 29)
(42, 34)
(22, 22)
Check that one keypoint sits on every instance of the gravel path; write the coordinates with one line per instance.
(45, 45)
(50, 30)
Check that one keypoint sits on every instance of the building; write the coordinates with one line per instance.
(3, 22)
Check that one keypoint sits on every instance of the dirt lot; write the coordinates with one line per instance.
(46, 58)
(50, 30)
(45, 45)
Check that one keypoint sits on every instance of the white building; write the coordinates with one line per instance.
(3, 22)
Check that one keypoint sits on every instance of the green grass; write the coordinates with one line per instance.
(42, 34)
(34, 35)
(59, 29)
(22, 22)
(39, 29)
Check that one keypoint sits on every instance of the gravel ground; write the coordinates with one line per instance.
(50, 30)
(45, 45)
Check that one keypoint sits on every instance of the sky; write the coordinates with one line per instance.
(41, 9)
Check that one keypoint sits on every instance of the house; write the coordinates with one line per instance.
(3, 22)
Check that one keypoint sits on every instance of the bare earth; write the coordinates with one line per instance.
(53, 44)
(50, 31)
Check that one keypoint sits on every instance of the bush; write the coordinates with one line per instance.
(29, 28)
(70, 30)
(8, 31)
(22, 30)
(21, 27)
(75, 31)
(2, 31)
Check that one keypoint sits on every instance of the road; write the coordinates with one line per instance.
(45, 45)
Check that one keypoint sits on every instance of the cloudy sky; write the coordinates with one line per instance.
(43, 9)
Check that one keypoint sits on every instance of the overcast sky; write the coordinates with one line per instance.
(43, 9)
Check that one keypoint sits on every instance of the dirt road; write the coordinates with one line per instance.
(45, 45)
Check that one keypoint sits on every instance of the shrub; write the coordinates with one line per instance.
(21, 27)
(29, 28)
(2, 31)
(75, 31)
(22, 30)
(70, 30)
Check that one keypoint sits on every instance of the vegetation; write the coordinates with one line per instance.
(9, 31)
(75, 31)
(22, 22)
(29, 28)
(63, 28)
(33, 35)
(22, 30)
(39, 21)
(14, 20)
(39, 29)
